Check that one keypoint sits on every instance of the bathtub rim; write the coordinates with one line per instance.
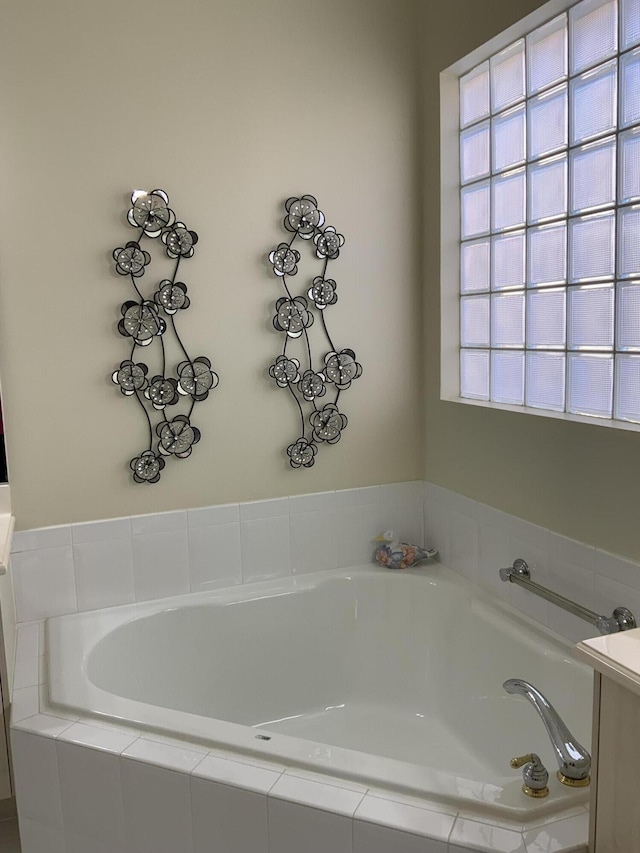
(235, 739)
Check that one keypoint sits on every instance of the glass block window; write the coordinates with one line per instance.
(550, 217)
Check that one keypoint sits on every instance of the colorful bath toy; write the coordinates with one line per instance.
(399, 555)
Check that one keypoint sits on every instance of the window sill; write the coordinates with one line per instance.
(545, 413)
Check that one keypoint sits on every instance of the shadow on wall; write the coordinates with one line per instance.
(4, 476)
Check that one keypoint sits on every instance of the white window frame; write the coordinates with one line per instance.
(450, 220)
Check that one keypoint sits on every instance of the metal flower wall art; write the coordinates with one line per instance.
(310, 379)
(146, 321)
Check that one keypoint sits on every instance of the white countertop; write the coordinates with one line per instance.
(616, 655)
(6, 533)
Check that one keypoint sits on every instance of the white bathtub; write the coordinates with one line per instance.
(389, 678)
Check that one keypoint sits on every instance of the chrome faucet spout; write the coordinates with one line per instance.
(574, 761)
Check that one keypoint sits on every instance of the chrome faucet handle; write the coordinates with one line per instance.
(574, 762)
(534, 775)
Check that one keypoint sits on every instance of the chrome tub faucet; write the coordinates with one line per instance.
(574, 761)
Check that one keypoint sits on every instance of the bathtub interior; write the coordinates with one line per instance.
(407, 666)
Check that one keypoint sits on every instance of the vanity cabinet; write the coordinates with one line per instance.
(615, 778)
(615, 800)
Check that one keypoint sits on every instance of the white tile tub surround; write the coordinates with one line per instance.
(98, 564)
(85, 566)
(44, 582)
(477, 540)
(313, 525)
(93, 789)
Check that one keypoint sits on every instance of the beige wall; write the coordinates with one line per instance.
(231, 106)
(580, 480)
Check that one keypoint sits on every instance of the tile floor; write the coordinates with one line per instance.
(9, 838)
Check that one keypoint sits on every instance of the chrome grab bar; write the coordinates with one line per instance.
(621, 620)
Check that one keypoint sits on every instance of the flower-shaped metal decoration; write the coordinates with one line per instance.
(179, 241)
(162, 392)
(284, 260)
(303, 217)
(142, 321)
(131, 260)
(147, 467)
(286, 371)
(130, 377)
(197, 378)
(171, 296)
(177, 437)
(328, 243)
(312, 385)
(302, 453)
(294, 317)
(341, 368)
(328, 424)
(323, 292)
(150, 211)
